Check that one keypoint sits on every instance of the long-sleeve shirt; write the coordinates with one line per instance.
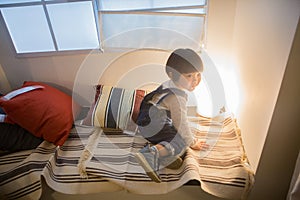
(176, 104)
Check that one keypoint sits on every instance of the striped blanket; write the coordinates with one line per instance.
(92, 161)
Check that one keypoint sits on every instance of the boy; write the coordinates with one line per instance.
(163, 115)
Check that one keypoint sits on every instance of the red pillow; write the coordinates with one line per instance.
(44, 112)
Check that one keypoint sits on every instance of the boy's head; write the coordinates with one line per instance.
(183, 61)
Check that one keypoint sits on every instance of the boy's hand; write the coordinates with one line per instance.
(200, 145)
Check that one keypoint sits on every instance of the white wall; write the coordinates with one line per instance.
(249, 42)
(130, 69)
(263, 35)
(281, 148)
(4, 84)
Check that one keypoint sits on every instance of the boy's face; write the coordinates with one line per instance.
(189, 81)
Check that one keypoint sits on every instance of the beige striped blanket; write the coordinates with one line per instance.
(92, 161)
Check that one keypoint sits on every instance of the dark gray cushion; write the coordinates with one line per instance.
(15, 138)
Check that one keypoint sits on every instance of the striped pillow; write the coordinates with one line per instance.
(114, 108)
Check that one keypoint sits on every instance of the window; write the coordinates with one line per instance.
(164, 24)
(60, 25)
(50, 26)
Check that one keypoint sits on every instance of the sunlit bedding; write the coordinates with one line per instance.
(97, 151)
(222, 171)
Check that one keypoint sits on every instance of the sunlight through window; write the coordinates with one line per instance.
(51, 26)
(28, 29)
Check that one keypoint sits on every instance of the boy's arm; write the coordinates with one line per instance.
(178, 109)
(192, 111)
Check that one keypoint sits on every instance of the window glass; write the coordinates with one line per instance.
(122, 5)
(74, 25)
(28, 28)
(60, 25)
(151, 31)
(17, 1)
(166, 24)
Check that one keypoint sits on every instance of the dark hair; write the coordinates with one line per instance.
(183, 61)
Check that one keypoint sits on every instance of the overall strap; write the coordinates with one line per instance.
(170, 91)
